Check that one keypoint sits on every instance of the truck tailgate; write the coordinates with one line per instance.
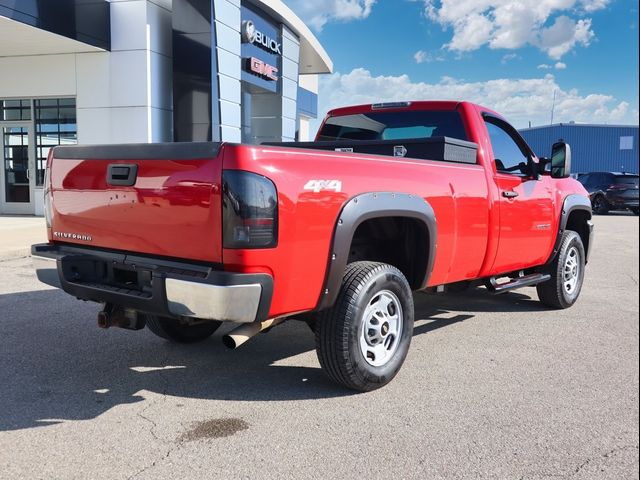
(157, 199)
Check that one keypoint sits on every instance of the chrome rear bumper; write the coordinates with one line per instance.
(233, 303)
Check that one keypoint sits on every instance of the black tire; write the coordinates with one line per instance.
(178, 331)
(340, 330)
(600, 205)
(555, 293)
(635, 211)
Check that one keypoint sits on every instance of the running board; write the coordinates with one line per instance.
(526, 281)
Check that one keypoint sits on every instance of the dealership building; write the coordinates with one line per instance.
(141, 71)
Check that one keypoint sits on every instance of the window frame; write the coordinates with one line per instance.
(33, 120)
(517, 139)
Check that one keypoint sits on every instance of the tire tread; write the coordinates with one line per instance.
(551, 292)
(332, 334)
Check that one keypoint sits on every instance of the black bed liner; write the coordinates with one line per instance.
(443, 149)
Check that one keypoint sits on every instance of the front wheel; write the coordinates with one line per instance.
(363, 340)
(181, 330)
(567, 274)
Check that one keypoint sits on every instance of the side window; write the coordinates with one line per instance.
(509, 157)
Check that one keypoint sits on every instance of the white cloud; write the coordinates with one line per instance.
(425, 57)
(508, 57)
(564, 35)
(512, 24)
(318, 13)
(421, 56)
(560, 66)
(544, 66)
(520, 100)
(593, 5)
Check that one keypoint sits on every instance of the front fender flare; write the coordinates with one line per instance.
(571, 204)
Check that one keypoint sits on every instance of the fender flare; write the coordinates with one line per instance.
(571, 204)
(365, 207)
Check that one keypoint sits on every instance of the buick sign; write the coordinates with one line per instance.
(252, 35)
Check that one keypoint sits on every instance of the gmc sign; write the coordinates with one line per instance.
(261, 69)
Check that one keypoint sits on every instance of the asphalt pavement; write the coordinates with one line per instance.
(493, 388)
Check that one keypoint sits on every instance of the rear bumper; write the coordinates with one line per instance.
(153, 285)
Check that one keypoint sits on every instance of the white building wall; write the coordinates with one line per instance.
(290, 59)
(309, 82)
(227, 27)
(304, 130)
(122, 96)
(125, 96)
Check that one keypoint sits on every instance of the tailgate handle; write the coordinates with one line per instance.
(122, 175)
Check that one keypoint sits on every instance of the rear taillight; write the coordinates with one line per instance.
(249, 210)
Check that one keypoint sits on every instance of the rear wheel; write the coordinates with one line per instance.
(600, 205)
(567, 274)
(363, 340)
(181, 330)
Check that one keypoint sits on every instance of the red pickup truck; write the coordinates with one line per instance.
(389, 199)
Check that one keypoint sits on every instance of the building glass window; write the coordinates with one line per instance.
(56, 124)
(15, 110)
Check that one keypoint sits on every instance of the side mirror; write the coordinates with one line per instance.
(560, 160)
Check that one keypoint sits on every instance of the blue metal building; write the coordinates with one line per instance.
(594, 148)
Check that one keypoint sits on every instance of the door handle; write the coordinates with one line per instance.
(509, 194)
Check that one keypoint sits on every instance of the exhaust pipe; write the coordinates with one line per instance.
(113, 316)
(243, 333)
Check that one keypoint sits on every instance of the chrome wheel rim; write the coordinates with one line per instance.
(381, 328)
(571, 271)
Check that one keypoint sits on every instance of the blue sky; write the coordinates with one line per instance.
(510, 55)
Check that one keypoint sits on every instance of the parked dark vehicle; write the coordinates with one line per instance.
(611, 191)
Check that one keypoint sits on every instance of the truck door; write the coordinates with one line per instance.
(526, 203)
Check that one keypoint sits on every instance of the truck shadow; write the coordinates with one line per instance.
(479, 300)
(55, 366)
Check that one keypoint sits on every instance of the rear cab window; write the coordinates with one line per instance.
(397, 125)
